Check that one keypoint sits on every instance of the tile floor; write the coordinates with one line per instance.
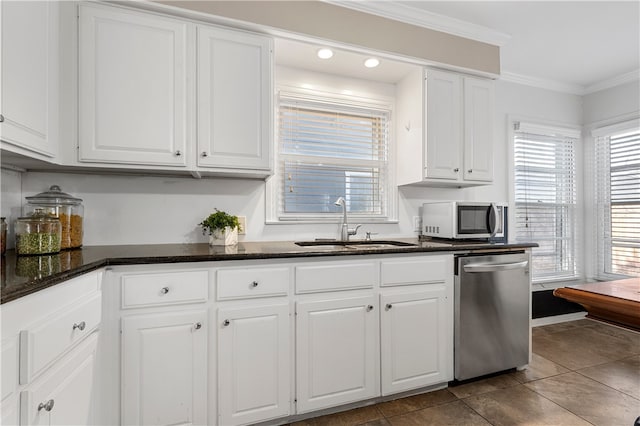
(582, 372)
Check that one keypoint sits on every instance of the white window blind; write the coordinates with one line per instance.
(545, 198)
(329, 150)
(618, 203)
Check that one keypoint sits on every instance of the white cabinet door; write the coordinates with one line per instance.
(234, 76)
(253, 364)
(64, 395)
(416, 338)
(164, 368)
(337, 352)
(133, 88)
(29, 93)
(478, 129)
(443, 125)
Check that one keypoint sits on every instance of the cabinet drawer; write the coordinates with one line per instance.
(48, 339)
(167, 288)
(254, 282)
(422, 270)
(335, 276)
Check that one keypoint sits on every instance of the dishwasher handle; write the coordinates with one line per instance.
(494, 267)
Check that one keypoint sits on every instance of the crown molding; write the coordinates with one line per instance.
(422, 18)
(613, 82)
(574, 89)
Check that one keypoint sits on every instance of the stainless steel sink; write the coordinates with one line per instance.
(354, 245)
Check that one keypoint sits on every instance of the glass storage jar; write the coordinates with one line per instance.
(38, 234)
(65, 207)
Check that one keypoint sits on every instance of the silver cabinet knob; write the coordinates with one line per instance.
(470, 171)
(254, 284)
(226, 322)
(80, 326)
(197, 325)
(369, 308)
(456, 170)
(164, 290)
(389, 306)
(204, 154)
(178, 153)
(48, 406)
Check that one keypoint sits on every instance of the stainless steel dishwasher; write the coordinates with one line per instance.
(492, 311)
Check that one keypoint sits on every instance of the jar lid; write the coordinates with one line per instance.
(39, 215)
(54, 196)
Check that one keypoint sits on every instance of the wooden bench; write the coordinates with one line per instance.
(616, 302)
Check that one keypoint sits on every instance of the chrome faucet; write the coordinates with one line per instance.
(345, 231)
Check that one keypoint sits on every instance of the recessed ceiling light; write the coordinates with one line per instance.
(325, 53)
(371, 63)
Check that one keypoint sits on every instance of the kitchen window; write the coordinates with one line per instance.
(545, 198)
(617, 195)
(330, 147)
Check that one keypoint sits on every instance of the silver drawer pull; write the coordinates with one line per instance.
(254, 284)
(80, 326)
(178, 153)
(456, 170)
(48, 406)
(226, 322)
(369, 308)
(164, 290)
(197, 325)
(389, 306)
(205, 154)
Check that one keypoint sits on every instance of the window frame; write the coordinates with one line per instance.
(600, 254)
(273, 183)
(569, 130)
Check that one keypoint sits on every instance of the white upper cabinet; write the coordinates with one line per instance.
(168, 94)
(234, 80)
(133, 72)
(29, 92)
(478, 129)
(454, 135)
(443, 120)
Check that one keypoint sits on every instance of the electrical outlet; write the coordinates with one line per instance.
(243, 225)
(416, 223)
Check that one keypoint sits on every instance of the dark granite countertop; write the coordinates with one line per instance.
(23, 275)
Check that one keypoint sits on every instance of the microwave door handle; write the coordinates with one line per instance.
(492, 219)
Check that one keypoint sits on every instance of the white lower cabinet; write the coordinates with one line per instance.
(164, 368)
(253, 363)
(64, 394)
(337, 352)
(415, 339)
(49, 352)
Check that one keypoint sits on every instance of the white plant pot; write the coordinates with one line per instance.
(225, 237)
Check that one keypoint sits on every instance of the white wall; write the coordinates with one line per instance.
(11, 201)
(611, 103)
(148, 209)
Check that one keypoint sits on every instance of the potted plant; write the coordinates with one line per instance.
(222, 228)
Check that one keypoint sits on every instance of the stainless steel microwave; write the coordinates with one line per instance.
(461, 220)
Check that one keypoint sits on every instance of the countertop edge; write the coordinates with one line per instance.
(38, 284)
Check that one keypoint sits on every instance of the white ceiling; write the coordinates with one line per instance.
(573, 46)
